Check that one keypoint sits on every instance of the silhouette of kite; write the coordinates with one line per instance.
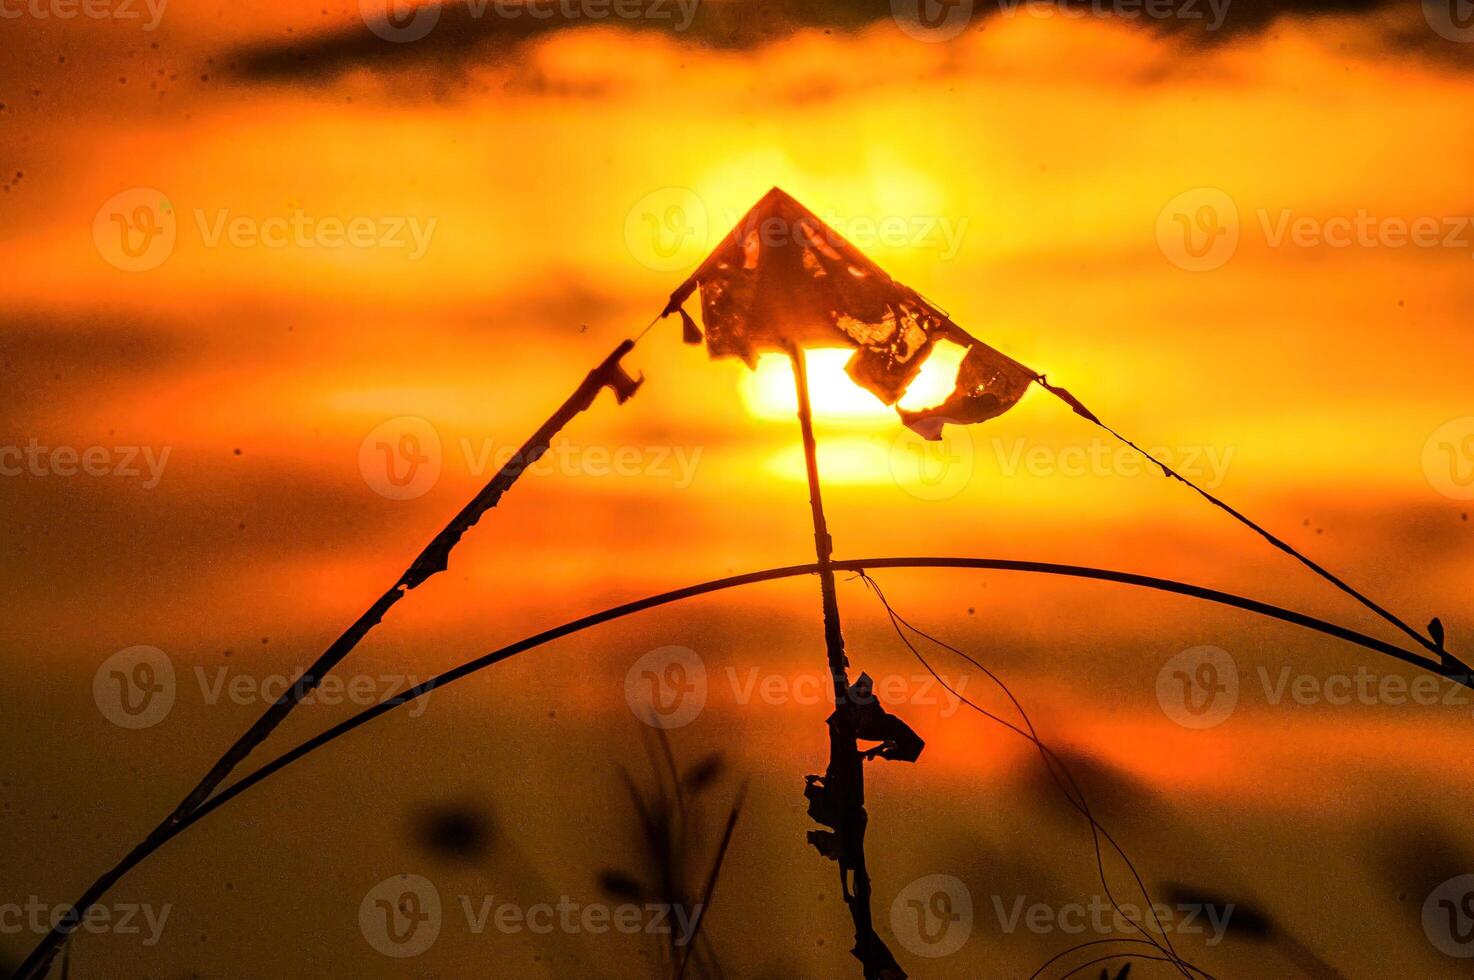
(781, 281)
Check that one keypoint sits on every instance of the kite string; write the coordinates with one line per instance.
(1052, 762)
(641, 335)
(1263, 532)
(1095, 829)
(1056, 767)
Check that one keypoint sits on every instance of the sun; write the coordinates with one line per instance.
(767, 392)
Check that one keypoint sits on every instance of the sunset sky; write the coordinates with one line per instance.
(244, 247)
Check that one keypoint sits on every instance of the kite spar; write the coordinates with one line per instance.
(432, 560)
(837, 799)
(758, 294)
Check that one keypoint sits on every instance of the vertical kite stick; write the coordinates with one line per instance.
(844, 780)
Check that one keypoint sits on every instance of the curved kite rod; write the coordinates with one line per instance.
(137, 856)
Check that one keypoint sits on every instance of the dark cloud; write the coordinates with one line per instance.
(64, 362)
(42, 342)
(454, 36)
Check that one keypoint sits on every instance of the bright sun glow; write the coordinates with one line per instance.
(768, 391)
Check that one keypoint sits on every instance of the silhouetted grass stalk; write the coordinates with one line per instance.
(668, 823)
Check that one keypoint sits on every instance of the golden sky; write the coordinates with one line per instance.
(247, 271)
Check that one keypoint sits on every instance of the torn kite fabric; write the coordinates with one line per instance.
(783, 279)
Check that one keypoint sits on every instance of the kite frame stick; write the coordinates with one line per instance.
(752, 578)
(844, 778)
(1431, 645)
(432, 560)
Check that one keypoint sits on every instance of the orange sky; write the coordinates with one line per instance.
(1032, 172)
(1027, 183)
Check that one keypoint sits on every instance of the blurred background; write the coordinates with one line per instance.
(284, 283)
